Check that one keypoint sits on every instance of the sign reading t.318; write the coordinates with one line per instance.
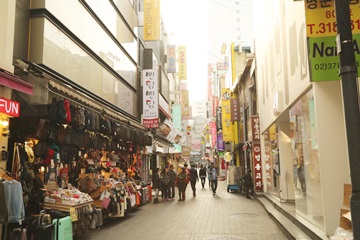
(321, 19)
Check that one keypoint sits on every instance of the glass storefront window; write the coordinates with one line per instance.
(64, 56)
(116, 25)
(306, 160)
(78, 20)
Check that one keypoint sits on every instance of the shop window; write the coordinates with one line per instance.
(306, 170)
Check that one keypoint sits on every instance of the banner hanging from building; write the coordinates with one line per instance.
(226, 115)
(321, 37)
(255, 128)
(185, 109)
(152, 20)
(268, 160)
(182, 73)
(220, 143)
(235, 110)
(150, 98)
(218, 120)
(257, 166)
(171, 59)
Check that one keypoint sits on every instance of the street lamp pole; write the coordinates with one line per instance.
(348, 73)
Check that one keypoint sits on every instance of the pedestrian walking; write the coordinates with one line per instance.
(248, 183)
(193, 179)
(172, 175)
(187, 179)
(209, 176)
(181, 179)
(202, 174)
(156, 184)
(214, 177)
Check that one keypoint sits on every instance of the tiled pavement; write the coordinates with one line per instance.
(204, 217)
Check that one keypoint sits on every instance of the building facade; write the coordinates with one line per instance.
(302, 122)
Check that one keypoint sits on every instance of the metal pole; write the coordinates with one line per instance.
(348, 73)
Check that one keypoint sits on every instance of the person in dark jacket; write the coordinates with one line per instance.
(182, 184)
(165, 180)
(193, 178)
(172, 174)
(156, 184)
(248, 182)
(202, 174)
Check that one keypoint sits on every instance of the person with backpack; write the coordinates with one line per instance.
(202, 174)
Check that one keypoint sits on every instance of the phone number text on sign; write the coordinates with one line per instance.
(321, 18)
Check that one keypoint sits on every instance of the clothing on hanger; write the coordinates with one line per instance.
(14, 201)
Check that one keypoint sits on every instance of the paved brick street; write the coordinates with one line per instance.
(224, 216)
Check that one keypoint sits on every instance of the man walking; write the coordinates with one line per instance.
(214, 177)
(202, 174)
(248, 183)
(193, 178)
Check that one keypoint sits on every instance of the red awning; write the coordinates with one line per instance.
(16, 83)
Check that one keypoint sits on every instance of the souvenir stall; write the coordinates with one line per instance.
(77, 161)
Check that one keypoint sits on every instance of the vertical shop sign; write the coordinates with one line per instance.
(255, 132)
(220, 143)
(213, 133)
(182, 74)
(171, 59)
(150, 98)
(226, 115)
(255, 126)
(321, 32)
(267, 160)
(218, 120)
(257, 166)
(185, 110)
(215, 105)
(235, 111)
(151, 20)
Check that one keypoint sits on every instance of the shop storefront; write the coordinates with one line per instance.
(305, 159)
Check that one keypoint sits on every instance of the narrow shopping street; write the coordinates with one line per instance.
(223, 216)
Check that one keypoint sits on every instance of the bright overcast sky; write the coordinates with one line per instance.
(188, 21)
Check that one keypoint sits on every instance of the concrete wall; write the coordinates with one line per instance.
(333, 157)
(7, 24)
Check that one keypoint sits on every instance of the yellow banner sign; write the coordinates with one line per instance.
(152, 20)
(226, 115)
(182, 72)
(321, 19)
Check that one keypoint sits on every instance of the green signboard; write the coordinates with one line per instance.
(324, 59)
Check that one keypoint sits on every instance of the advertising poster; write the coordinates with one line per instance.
(171, 133)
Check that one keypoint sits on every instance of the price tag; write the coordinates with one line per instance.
(73, 214)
